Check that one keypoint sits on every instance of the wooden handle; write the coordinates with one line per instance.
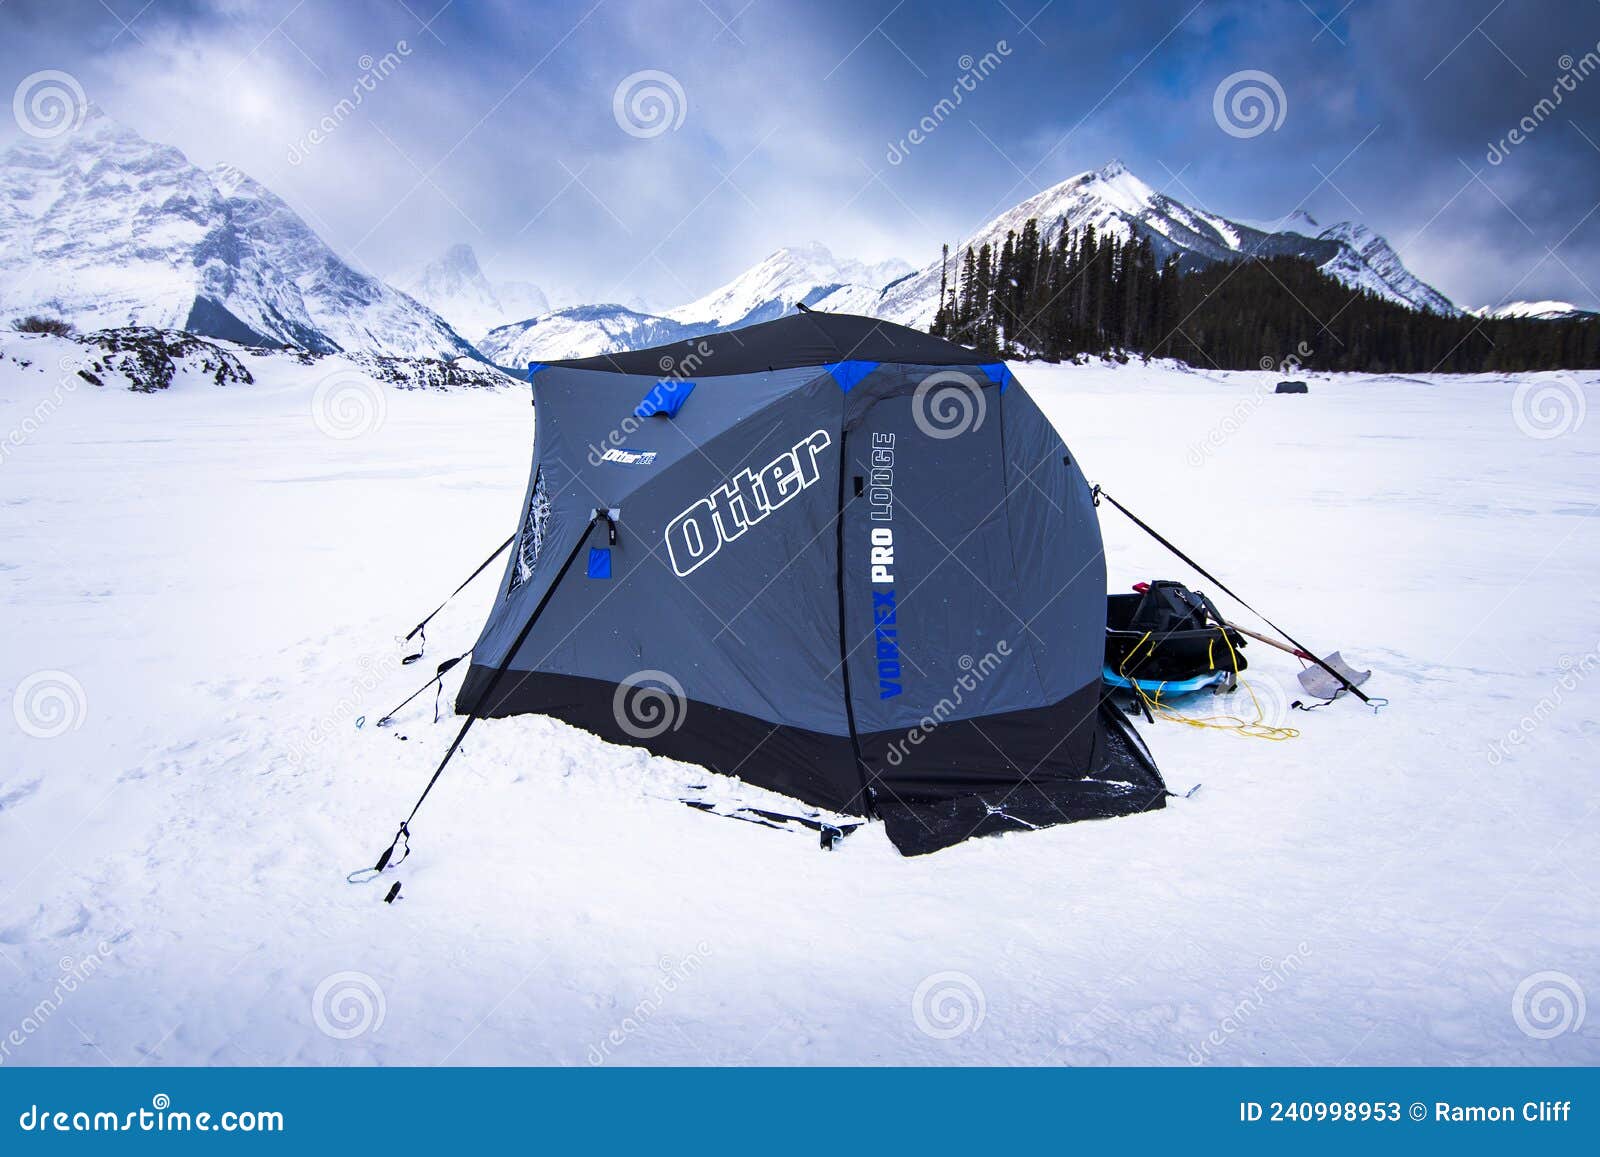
(1295, 651)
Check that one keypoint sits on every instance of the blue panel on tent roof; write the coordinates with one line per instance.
(998, 372)
(665, 397)
(849, 374)
(599, 562)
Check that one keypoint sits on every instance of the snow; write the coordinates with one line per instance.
(1366, 261)
(579, 331)
(1225, 229)
(796, 274)
(104, 228)
(1118, 204)
(1541, 310)
(803, 273)
(455, 287)
(223, 578)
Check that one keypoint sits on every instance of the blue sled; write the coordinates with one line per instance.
(1167, 688)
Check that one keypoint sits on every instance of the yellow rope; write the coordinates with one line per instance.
(1257, 728)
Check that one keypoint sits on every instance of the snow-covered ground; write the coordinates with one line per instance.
(208, 584)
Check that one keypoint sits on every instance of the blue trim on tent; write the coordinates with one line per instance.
(998, 372)
(665, 397)
(599, 562)
(849, 373)
(1163, 688)
(533, 368)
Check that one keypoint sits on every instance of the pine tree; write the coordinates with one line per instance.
(1084, 293)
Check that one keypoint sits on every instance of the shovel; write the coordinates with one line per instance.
(1316, 680)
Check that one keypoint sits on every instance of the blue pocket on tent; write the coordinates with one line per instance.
(599, 562)
(665, 397)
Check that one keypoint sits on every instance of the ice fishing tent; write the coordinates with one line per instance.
(832, 556)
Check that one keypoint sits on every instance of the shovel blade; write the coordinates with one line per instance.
(1318, 682)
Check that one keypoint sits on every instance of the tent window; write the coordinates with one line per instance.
(530, 540)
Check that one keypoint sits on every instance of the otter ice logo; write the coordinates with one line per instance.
(697, 534)
(626, 457)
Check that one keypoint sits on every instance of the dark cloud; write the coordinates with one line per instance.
(497, 127)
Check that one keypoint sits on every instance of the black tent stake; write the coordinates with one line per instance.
(474, 713)
(438, 678)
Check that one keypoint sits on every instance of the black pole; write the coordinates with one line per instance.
(474, 713)
(499, 550)
(1153, 533)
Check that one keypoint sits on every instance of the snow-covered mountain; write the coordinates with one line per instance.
(104, 228)
(1535, 310)
(1115, 201)
(581, 331)
(1366, 261)
(1111, 199)
(803, 274)
(454, 286)
(799, 274)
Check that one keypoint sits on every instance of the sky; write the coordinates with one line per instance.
(644, 153)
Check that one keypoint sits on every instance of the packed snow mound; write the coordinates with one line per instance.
(1117, 203)
(455, 287)
(107, 229)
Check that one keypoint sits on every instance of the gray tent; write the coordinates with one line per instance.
(831, 556)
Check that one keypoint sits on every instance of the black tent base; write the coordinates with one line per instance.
(1123, 781)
